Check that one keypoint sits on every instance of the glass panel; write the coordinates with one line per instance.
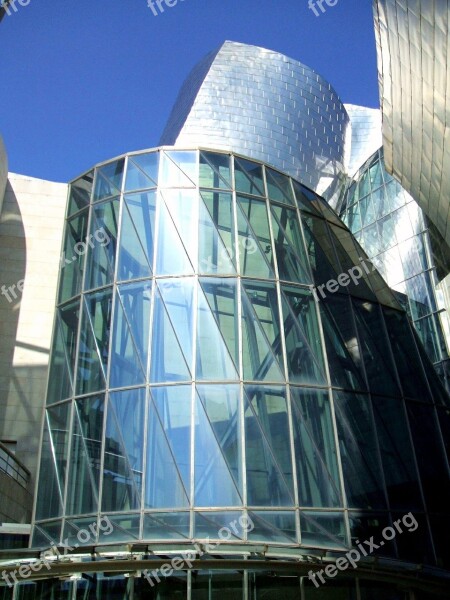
(47, 534)
(108, 180)
(84, 473)
(343, 352)
(100, 262)
(315, 449)
(168, 448)
(364, 527)
(163, 588)
(211, 585)
(440, 527)
(396, 454)
(123, 528)
(166, 526)
(223, 526)
(216, 234)
(183, 207)
(217, 332)
(371, 590)
(306, 199)
(289, 248)
(80, 193)
(85, 530)
(215, 170)
(262, 350)
(104, 585)
(320, 251)
(248, 177)
(277, 527)
(142, 171)
(268, 456)
(171, 258)
(94, 342)
(359, 451)
(63, 354)
(178, 169)
(48, 589)
(72, 260)
(218, 452)
(303, 343)
(124, 442)
(265, 587)
(414, 543)
(137, 236)
(131, 330)
(172, 336)
(279, 187)
(323, 529)
(52, 471)
(255, 247)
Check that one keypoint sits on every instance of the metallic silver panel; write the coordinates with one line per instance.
(268, 107)
(365, 136)
(3, 171)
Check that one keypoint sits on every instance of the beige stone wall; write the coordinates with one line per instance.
(31, 227)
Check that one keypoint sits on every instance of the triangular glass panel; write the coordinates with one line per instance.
(131, 331)
(168, 447)
(178, 298)
(124, 441)
(94, 342)
(72, 260)
(215, 170)
(124, 528)
(80, 193)
(279, 187)
(142, 171)
(302, 335)
(108, 180)
(220, 208)
(214, 481)
(291, 260)
(213, 358)
(323, 530)
(168, 362)
(306, 199)
(315, 449)
(137, 236)
(171, 257)
(259, 360)
(102, 248)
(218, 525)
(277, 527)
(84, 475)
(320, 251)
(213, 255)
(269, 465)
(182, 205)
(178, 169)
(255, 253)
(248, 177)
(166, 526)
(61, 374)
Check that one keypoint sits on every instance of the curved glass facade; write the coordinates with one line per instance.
(199, 381)
(402, 244)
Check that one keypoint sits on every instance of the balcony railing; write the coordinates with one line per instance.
(10, 465)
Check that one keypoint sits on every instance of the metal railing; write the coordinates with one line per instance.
(10, 465)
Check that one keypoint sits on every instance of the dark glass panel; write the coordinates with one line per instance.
(409, 365)
(216, 245)
(100, 262)
(80, 193)
(369, 526)
(268, 455)
(289, 248)
(343, 352)
(315, 449)
(137, 236)
(108, 180)
(339, 589)
(371, 590)
(430, 453)
(163, 588)
(142, 171)
(359, 451)
(72, 260)
(248, 177)
(94, 342)
(84, 470)
(279, 187)
(277, 527)
(397, 455)
(306, 199)
(264, 586)
(213, 585)
(49, 589)
(63, 354)
(375, 348)
(130, 338)
(53, 466)
(303, 343)
(215, 170)
(323, 529)
(167, 482)
(166, 526)
(218, 449)
(262, 346)
(440, 529)
(105, 585)
(413, 543)
(320, 251)
(124, 442)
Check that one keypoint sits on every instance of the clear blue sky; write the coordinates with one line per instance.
(85, 80)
